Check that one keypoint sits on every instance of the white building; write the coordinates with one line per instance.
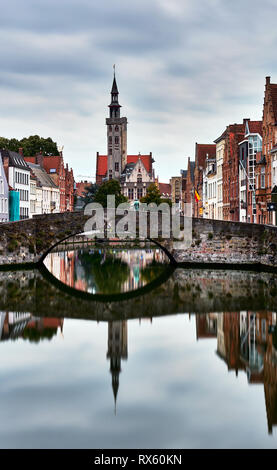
(248, 148)
(220, 149)
(18, 179)
(45, 197)
(135, 180)
(4, 194)
(210, 189)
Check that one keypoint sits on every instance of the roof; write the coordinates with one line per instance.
(114, 87)
(42, 176)
(165, 189)
(255, 127)
(102, 163)
(15, 159)
(273, 91)
(146, 160)
(201, 152)
(221, 137)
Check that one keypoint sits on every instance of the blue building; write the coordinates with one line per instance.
(4, 194)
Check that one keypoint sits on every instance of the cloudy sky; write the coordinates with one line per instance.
(185, 69)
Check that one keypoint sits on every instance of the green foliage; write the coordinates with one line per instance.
(110, 187)
(210, 235)
(89, 193)
(30, 145)
(152, 195)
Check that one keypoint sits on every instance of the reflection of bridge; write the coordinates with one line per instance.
(206, 241)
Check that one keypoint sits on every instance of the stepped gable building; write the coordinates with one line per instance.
(134, 172)
(202, 151)
(267, 161)
(188, 185)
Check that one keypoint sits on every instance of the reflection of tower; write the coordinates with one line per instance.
(117, 349)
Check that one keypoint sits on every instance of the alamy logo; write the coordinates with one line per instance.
(145, 221)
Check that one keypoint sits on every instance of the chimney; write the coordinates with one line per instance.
(20, 151)
(40, 159)
(267, 80)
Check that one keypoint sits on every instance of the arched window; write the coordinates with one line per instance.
(116, 128)
(110, 139)
(110, 128)
(116, 139)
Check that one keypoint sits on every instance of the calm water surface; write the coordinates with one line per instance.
(182, 380)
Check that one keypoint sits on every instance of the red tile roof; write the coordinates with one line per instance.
(52, 163)
(146, 160)
(165, 189)
(255, 127)
(102, 163)
(201, 152)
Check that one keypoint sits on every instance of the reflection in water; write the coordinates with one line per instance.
(246, 341)
(106, 270)
(14, 325)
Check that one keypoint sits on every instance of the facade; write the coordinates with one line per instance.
(220, 150)
(45, 193)
(18, 176)
(230, 172)
(176, 190)
(264, 170)
(62, 177)
(249, 147)
(4, 194)
(134, 172)
(202, 151)
(188, 188)
(210, 189)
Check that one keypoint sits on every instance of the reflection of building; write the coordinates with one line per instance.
(17, 324)
(206, 325)
(248, 341)
(117, 350)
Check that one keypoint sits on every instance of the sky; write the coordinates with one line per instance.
(185, 69)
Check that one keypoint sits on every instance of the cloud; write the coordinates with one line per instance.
(185, 69)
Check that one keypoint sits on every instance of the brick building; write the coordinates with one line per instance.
(264, 168)
(234, 134)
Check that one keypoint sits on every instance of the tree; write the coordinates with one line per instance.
(30, 145)
(89, 193)
(110, 187)
(153, 195)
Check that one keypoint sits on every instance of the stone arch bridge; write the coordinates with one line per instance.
(213, 242)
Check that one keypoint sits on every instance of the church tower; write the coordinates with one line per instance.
(116, 137)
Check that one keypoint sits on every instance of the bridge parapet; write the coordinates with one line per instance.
(212, 241)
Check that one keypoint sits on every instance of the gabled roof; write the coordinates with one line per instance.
(165, 189)
(15, 159)
(102, 163)
(42, 176)
(201, 152)
(255, 127)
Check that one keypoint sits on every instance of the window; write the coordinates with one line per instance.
(130, 193)
(139, 192)
(116, 128)
(139, 179)
(262, 181)
(110, 175)
(110, 140)
(116, 166)
(116, 139)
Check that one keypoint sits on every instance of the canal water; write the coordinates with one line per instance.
(190, 362)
